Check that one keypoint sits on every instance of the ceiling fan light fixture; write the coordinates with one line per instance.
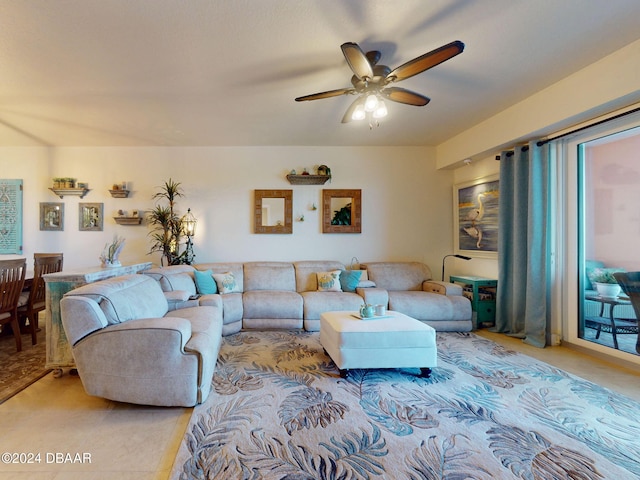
(380, 111)
(371, 102)
(359, 113)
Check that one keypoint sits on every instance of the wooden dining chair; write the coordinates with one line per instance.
(34, 301)
(12, 274)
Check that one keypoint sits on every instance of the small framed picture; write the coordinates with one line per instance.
(90, 217)
(52, 216)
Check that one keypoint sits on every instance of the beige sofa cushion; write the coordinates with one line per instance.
(269, 276)
(398, 275)
(307, 273)
(125, 298)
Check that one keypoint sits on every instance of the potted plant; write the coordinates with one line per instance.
(168, 231)
(605, 283)
(111, 252)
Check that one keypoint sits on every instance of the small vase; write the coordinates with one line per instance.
(608, 290)
(108, 264)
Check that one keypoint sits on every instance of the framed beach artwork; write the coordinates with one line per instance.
(475, 217)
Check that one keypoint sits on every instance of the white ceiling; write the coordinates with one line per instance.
(213, 72)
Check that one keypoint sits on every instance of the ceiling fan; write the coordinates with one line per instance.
(373, 82)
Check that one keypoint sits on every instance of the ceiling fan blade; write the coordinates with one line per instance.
(349, 113)
(357, 60)
(401, 95)
(329, 94)
(426, 61)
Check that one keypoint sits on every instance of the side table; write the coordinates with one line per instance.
(482, 293)
(610, 325)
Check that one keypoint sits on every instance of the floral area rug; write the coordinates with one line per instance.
(279, 410)
(18, 370)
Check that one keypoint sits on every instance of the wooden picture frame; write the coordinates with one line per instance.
(273, 211)
(341, 211)
(52, 216)
(90, 217)
(475, 217)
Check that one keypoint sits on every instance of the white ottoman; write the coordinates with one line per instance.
(397, 341)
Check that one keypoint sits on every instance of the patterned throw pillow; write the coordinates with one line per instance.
(205, 284)
(329, 281)
(226, 282)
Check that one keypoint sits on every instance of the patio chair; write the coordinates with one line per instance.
(630, 283)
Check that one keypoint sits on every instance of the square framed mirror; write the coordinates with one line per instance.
(341, 211)
(273, 211)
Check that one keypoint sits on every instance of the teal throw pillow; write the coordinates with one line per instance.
(349, 280)
(205, 283)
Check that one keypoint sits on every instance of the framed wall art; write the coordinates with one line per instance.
(341, 211)
(475, 217)
(90, 217)
(52, 216)
(10, 216)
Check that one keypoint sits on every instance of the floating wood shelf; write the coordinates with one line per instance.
(128, 220)
(308, 179)
(119, 193)
(61, 192)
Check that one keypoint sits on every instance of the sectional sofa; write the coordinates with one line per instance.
(153, 337)
(289, 294)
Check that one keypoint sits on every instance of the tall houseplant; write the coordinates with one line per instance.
(167, 233)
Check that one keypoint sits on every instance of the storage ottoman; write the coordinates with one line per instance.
(393, 341)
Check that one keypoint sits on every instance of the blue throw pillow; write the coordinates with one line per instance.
(349, 280)
(205, 283)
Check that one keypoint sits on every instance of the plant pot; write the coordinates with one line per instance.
(608, 290)
(108, 264)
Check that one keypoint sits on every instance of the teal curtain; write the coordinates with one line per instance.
(522, 299)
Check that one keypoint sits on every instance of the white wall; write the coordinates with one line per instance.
(402, 215)
(600, 88)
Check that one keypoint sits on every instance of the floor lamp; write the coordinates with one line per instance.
(452, 255)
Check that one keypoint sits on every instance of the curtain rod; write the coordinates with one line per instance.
(615, 117)
(544, 142)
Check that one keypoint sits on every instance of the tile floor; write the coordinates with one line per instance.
(55, 416)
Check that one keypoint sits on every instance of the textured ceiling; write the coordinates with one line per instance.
(207, 72)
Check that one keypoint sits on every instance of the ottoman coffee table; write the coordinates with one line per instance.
(392, 341)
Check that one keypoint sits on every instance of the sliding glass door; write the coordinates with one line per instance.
(602, 236)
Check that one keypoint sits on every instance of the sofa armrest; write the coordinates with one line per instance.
(211, 300)
(148, 331)
(443, 288)
(374, 295)
(177, 299)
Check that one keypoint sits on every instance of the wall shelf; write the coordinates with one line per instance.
(119, 193)
(128, 220)
(61, 192)
(308, 179)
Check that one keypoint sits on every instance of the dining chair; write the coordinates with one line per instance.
(12, 274)
(34, 300)
(630, 283)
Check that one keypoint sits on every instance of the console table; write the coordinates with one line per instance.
(482, 293)
(58, 350)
